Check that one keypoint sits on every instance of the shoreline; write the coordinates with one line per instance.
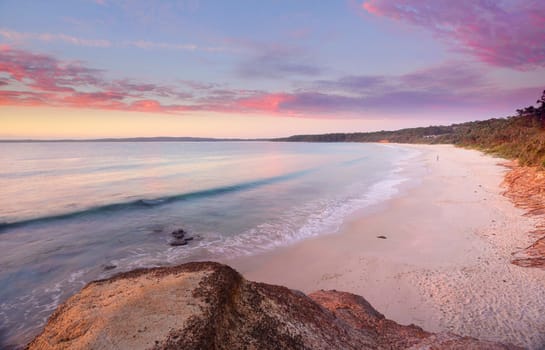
(445, 264)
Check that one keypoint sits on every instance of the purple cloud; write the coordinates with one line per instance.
(277, 63)
(353, 83)
(453, 75)
(450, 86)
(17, 37)
(43, 80)
(37, 79)
(46, 73)
(141, 90)
(197, 85)
(331, 105)
(508, 33)
(49, 37)
(32, 79)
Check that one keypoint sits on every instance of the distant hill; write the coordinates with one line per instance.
(519, 137)
(138, 139)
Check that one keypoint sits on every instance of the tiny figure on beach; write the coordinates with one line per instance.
(437, 159)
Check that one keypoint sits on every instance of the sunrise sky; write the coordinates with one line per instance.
(119, 68)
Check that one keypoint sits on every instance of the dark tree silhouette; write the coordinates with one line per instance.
(540, 111)
(541, 101)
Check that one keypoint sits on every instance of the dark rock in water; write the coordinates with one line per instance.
(108, 267)
(178, 233)
(177, 242)
(381, 237)
(206, 305)
(180, 238)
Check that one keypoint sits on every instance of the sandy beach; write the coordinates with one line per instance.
(444, 263)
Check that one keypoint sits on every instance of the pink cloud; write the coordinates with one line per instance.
(46, 80)
(18, 98)
(30, 79)
(17, 37)
(49, 37)
(45, 73)
(265, 102)
(104, 100)
(146, 106)
(508, 33)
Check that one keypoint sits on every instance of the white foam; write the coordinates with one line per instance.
(36, 306)
(322, 216)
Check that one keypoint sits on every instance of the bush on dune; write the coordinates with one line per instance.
(519, 137)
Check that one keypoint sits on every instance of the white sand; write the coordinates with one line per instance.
(445, 264)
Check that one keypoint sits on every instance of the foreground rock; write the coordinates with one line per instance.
(210, 306)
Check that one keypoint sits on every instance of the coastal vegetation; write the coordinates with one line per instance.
(521, 136)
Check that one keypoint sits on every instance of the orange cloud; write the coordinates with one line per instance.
(146, 105)
(265, 102)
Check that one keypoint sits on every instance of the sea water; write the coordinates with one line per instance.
(74, 212)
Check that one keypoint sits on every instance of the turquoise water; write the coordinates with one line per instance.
(74, 212)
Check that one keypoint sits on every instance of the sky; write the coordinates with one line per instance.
(268, 68)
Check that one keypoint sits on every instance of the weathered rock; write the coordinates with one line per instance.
(210, 306)
(526, 188)
(108, 267)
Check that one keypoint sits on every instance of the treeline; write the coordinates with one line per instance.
(519, 137)
(414, 135)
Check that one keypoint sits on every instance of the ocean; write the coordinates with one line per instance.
(71, 213)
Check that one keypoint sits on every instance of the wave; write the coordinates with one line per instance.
(323, 216)
(155, 202)
(353, 161)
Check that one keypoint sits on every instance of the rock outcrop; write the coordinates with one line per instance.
(207, 305)
(526, 188)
